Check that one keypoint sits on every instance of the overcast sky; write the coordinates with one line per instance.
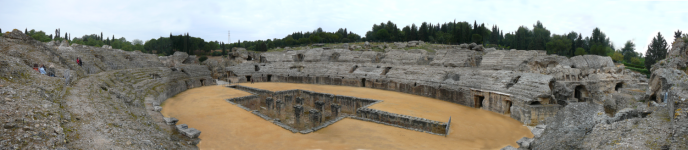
(252, 20)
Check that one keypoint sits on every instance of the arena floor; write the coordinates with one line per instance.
(226, 126)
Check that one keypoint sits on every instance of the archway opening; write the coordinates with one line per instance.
(478, 100)
(618, 86)
(507, 107)
(269, 78)
(363, 81)
(299, 57)
(581, 93)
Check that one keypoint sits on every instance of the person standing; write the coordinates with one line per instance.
(78, 61)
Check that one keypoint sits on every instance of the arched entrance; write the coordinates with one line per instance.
(580, 93)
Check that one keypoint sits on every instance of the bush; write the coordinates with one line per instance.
(216, 53)
(618, 57)
(580, 51)
(203, 58)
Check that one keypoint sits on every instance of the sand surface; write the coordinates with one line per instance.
(225, 126)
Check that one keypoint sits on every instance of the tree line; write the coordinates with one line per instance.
(524, 38)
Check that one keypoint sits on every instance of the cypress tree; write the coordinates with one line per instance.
(656, 51)
(223, 48)
(26, 31)
(101, 36)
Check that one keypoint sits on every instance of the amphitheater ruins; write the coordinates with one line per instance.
(114, 101)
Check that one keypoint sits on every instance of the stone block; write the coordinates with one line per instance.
(170, 121)
(157, 108)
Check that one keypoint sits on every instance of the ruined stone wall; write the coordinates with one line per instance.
(402, 121)
(308, 111)
(114, 91)
(528, 77)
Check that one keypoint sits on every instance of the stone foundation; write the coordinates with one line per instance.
(307, 111)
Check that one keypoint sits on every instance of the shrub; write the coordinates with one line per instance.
(580, 51)
(618, 57)
(203, 58)
(216, 53)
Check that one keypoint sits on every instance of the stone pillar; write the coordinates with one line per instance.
(299, 101)
(315, 116)
(298, 110)
(278, 106)
(334, 108)
(269, 103)
(320, 105)
(287, 98)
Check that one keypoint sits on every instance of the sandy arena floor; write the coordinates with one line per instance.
(225, 126)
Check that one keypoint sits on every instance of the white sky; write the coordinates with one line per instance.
(252, 20)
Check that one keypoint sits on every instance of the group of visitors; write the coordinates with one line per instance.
(51, 69)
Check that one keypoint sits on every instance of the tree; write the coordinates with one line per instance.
(628, 51)
(522, 38)
(382, 34)
(617, 57)
(423, 32)
(224, 50)
(656, 51)
(677, 34)
(540, 37)
(477, 39)
(580, 51)
(26, 31)
(137, 42)
(595, 50)
(414, 32)
(579, 41)
(559, 44)
(636, 60)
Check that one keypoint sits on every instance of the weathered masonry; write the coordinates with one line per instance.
(525, 85)
(307, 111)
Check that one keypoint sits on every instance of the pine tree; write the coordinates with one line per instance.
(656, 51)
(677, 34)
(423, 32)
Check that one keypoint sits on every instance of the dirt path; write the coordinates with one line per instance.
(225, 126)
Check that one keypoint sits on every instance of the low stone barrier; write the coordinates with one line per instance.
(401, 121)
